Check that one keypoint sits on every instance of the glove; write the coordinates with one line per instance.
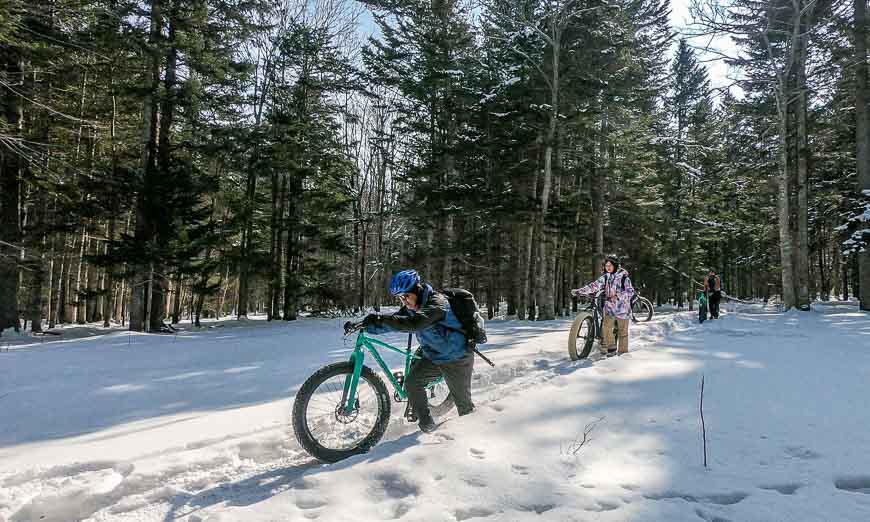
(371, 320)
(576, 293)
(349, 327)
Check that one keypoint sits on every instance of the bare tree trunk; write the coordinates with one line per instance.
(363, 256)
(529, 277)
(844, 278)
(52, 286)
(279, 247)
(225, 283)
(803, 255)
(522, 282)
(533, 293)
(862, 139)
(79, 310)
(546, 278)
(10, 183)
(109, 284)
(292, 266)
(92, 286)
(597, 189)
(144, 228)
(62, 313)
(177, 290)
(786, 244)
(159, 281)
(274, 256)
(516, 268)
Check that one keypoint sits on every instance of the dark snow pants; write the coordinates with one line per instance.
(715, 298)
(457, 374)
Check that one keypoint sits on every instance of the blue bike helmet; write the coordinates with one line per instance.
(404, 282)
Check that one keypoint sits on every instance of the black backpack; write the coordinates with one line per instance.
(465, 309)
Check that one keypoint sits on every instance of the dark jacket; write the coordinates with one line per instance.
(717, 283)
(438, 330)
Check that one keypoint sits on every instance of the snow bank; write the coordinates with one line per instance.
(195, 428)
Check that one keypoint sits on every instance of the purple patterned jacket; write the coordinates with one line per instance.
(617, 301)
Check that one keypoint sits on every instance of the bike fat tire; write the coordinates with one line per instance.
(578, 345)
(303, 398)
(646, 310)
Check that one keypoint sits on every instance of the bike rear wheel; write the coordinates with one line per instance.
(582, 337)
(323, 426)
(642, 310)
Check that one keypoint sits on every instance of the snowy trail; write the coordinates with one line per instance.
(785, 440)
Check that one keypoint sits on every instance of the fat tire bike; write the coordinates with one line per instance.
(587, 328)
(641, 309)
(343, 409)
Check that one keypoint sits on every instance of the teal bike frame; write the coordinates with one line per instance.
(365, 344)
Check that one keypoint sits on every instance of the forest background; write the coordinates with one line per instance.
(166, 159)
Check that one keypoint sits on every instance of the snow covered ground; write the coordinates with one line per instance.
(195, 427)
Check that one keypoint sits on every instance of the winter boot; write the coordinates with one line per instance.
(427, 425)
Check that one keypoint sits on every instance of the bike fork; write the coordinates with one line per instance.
(348, 396)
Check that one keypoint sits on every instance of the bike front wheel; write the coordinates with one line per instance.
(582, 337)
(642, 310)
(324, 426)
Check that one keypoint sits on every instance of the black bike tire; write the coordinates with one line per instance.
(647, 304)
(572, 337)
(300, 405)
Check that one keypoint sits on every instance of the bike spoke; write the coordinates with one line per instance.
(333, 427)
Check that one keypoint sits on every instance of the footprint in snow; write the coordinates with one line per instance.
(476, 482)
(497, 407)
(393, 485)
(473, 512)
(785, 489)
(854, 484)
(801, 452)
(538, 509)
(309, 502)
(709, 517)
(477, 453)
(520, 470)
(604, 505)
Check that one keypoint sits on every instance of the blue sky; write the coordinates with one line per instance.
(680, 20)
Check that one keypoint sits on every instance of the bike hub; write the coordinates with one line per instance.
(342, 415)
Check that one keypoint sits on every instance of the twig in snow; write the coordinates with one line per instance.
(703, 425)
(573, 447)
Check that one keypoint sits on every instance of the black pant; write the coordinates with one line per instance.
(715, 297)
(457, 374)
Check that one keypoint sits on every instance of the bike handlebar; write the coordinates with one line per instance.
(351, 327)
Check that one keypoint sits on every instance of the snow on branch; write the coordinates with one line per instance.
(693, 172)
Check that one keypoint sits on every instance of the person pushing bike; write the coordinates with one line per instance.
(443, 344)
(713, 289)
(618, 292)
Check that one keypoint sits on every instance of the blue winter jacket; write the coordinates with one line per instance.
(438, 330)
